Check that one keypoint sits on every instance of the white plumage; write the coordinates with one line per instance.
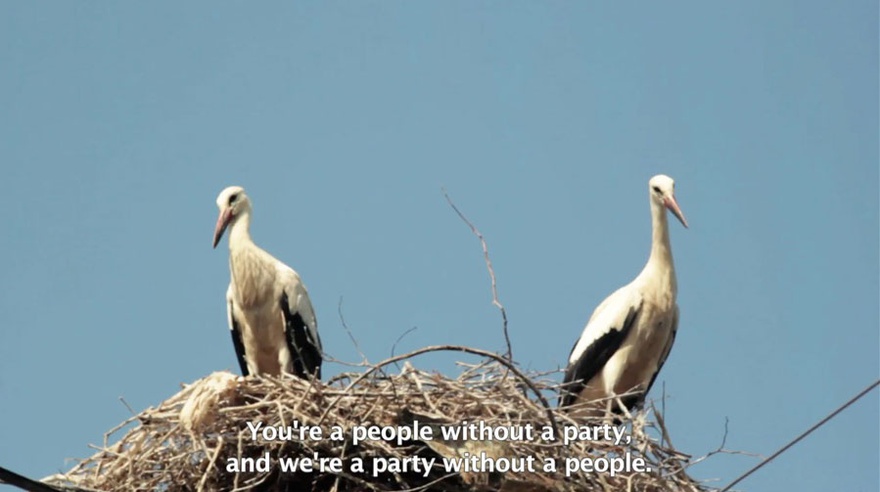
(629, 336)
(271, 319)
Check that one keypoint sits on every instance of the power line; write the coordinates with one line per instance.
(805, 434)
(24, 483)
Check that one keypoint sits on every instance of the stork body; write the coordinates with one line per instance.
(271, 318)
(629, 336)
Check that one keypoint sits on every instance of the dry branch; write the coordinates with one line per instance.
(495, 301)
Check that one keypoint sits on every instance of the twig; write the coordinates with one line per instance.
(122, 399)
(350, 335)
(495, 301)
(723, 439)
(211, 464)
(720, 450)
(664, 437)
(401, 337)
(454, 348)
(661, 422)
(328, 358)
(805, 434)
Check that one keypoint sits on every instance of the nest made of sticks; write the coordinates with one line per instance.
(186, 443)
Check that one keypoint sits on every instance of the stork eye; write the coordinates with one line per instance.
(232, 199)
(656, 189)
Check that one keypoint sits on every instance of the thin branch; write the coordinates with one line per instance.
(350, 335)
(453, 348)
(329, 358)
(401, 337)
(724, 437)
(661, 421)
(495, 301)
(211, 465)
(720, 449)
(805, 434)
(122, 399)
(665, 437)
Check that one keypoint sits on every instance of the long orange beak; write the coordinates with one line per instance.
(222, 223)
(672, 205)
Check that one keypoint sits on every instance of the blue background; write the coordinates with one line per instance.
(121, 122)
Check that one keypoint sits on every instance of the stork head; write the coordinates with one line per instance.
(662, 190)
(232, 203)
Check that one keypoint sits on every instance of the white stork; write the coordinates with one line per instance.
(628, 337)
(273, 325)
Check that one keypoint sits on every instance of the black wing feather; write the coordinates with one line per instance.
(593, 359)
(235, 331)
(305, 352)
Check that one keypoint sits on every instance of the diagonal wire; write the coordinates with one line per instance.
(805, 434)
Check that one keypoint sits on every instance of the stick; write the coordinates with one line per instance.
(495, 300)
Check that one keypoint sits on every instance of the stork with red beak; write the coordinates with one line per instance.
(629, 336)
(271, 319)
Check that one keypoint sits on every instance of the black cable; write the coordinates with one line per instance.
(805, 434)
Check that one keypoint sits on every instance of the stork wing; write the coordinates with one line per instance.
(301, 328)
(235, 331)
(608, 327)
(666, 350)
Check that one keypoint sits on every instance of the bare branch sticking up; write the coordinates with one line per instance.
(401, 337)
(495, 301)
(357, 346)
(721, 450)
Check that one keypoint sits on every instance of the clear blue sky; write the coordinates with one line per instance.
(121, 122)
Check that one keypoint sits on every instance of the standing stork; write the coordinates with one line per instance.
(628, 337)
(271, 319)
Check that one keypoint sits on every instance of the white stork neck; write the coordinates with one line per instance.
(660, 266)
(251, 268)
(239, 231)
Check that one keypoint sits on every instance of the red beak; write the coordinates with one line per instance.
(222, 223)
(672, 205)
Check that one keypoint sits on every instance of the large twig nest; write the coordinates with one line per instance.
(188, 442)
